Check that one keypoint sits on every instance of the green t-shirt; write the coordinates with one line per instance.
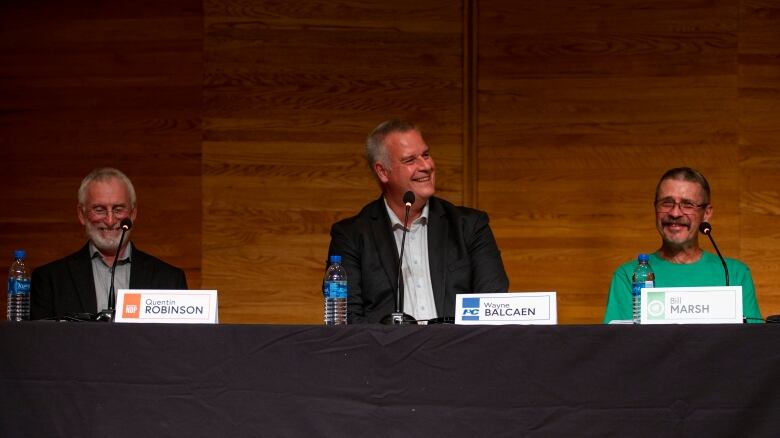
(708, 271)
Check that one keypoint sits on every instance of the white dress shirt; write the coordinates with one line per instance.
(416, 271)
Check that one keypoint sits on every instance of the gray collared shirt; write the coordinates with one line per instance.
(418, 291)
(101, 273)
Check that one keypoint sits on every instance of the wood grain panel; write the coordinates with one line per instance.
(759, 88)
(291, 89)
(582, 108)
(87, 85)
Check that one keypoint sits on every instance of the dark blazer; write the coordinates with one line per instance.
(462, 252)
(67, 285)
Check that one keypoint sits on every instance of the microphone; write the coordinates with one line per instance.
(706, 229)
(108, 314)
(398, 317)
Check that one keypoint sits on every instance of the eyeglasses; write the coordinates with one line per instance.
(687, 207)
(101, 212)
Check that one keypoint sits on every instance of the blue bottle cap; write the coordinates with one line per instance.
(643, 258)
(19, 254)
(335, 259)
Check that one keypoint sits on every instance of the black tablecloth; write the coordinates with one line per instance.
(96, 379)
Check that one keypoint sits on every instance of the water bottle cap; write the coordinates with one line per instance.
(19, 254)
(643, 257)
(335, 259)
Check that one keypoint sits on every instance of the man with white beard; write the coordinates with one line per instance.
(80, 282)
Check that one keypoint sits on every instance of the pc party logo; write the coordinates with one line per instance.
(132, 306)
(470, 309)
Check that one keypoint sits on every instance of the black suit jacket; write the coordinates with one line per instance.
(463, 258)
(67, 285)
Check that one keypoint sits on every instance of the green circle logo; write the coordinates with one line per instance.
(655, 308)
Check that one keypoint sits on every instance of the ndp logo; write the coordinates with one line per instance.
(132, 306)
(470, 309)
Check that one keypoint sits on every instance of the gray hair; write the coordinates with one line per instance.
(106, 174)
(686, 174)
(376, 152)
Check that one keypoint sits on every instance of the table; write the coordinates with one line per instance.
(100, 379)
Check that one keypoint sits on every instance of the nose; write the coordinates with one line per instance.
(678, 207)
(426, 163)
(111, 218)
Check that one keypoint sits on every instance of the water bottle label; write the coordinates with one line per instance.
(636, 288)
(336, 289)
(18, 286)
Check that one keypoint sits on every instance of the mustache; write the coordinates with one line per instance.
(676, 222)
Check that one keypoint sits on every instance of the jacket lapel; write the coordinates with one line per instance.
(80, 268)
(140, 270)
(385, 242)
(437, 251)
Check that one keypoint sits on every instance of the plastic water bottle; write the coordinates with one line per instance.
(18, 289)
(643, 276)
(334, 289)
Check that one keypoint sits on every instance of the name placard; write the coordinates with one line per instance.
(692, 305)
(167, 306)
(508, 308)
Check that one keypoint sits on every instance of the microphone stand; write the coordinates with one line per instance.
(107, 315)
(398, 317)
(706, 228)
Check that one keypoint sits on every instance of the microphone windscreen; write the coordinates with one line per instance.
(126, 224)
(705, 228)
(409, 197)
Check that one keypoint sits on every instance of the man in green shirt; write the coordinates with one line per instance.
(682, 202)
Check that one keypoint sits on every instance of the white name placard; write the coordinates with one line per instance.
(692, 305)
(166, 306)
(508, 308)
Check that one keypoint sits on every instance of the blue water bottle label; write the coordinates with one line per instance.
(336, 289)
(636, 288)
(18, 286)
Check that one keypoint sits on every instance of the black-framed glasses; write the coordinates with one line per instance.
(687, 207)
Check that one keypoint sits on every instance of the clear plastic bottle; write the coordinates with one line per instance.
(18, 288)
(334, 290)
(643, 276)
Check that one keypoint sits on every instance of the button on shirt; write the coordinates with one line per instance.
(416, 271)
(101, 273)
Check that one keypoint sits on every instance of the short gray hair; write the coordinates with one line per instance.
(376, 152)
(106, 174)
(685, 174)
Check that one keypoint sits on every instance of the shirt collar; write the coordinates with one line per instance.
(124, 259)
(396, 223)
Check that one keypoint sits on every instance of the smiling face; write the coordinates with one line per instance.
(678, 229)
(107, 202)
(411, 167)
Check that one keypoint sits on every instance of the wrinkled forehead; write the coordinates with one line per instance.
(109, 191)
(678, 189)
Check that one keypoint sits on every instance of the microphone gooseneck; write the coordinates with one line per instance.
(125, 225)
(706, 229)
(398, 317)
(408, 201)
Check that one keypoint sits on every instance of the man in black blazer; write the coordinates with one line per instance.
(449, 249)
(80, 282)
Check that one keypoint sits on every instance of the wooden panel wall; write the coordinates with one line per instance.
(88, 84)
(759, 146)
(291, 91)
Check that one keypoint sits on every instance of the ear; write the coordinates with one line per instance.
(134, 213)
(381, 173)
(80, 214)
(707, 213)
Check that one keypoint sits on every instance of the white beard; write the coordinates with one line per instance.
(106, 244)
